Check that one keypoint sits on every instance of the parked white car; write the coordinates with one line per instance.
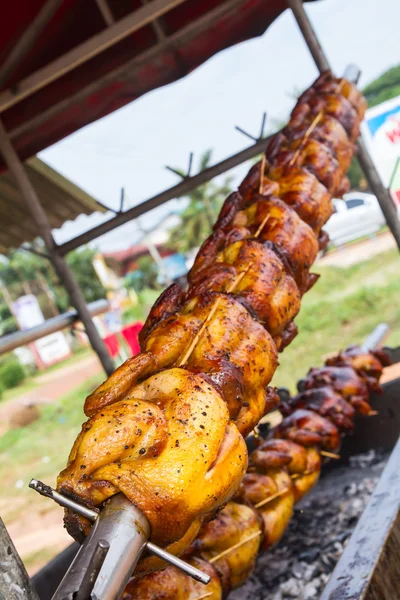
(358, 214)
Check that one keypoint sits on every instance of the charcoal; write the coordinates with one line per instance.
(300, 566)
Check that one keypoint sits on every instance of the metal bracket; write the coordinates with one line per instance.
(252, 137)
(183, 176)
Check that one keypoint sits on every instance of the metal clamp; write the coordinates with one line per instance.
(107, 558)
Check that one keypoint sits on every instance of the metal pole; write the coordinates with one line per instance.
(14, 580)
(366, 163)
(375, 183)
(33, 203)
(21, 338)
(176, 191)
(306, 28)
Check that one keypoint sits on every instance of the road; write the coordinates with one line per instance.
(358, 252)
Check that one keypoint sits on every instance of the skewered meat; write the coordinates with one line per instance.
(166, 428)
(281, 471)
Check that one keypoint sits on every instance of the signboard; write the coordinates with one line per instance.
(381, 131)
(53, 347)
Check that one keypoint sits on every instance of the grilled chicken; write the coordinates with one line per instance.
(166, 428)
(282, 469)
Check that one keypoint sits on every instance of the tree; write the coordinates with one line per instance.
(145, 276)
(25, 273)
(385, 87)
(199, 215)
(81, 263)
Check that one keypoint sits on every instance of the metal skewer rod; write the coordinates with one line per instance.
(118, 501)
(375, 339)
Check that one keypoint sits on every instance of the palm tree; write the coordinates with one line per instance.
(199, 215)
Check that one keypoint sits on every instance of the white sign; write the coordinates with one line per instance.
(53, 347)
(28, 312)
(381, 131)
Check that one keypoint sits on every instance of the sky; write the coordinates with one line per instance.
(131, 147)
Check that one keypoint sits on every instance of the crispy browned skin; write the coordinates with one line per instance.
(166, 428)
(281, 471)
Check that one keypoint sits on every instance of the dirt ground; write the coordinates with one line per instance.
(360, 251)
(50, 387)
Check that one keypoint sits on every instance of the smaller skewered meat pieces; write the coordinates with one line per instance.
(282, 469)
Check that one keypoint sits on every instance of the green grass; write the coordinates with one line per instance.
(342, 308)
(30, 383)
(41, 449)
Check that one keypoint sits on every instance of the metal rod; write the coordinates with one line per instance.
(48, 492)
(83, 52)
(21, 338)
(375, 183)
(180, 564)
(27, 40)
(126, 530)
(309, 34)
(182, 188)
(14, 580)
(375, 339)
(64, 272)
(94, 567)
(366, 163)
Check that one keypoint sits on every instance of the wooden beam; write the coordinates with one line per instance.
(87, 50)
(27, 40)
(123, 70)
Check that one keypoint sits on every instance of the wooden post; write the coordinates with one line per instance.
(14, 580)
(39, 215)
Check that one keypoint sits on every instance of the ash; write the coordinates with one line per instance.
(300, 565)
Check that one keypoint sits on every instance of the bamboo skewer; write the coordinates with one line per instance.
(213, 310)
(234, 547)
(270, 498)
(330, 454)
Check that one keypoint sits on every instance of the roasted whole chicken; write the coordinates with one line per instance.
(282, 469)
(166, 428)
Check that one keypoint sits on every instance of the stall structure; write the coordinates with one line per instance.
(66, 64)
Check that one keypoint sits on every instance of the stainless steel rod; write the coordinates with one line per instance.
(21, 338)
(375, 339)
(46, 490)
(177, 562)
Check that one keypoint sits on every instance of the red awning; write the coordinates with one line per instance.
(153, 55)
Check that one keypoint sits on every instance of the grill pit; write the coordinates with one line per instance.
(300, 565)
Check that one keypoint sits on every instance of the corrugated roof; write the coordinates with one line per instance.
(61, 199)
